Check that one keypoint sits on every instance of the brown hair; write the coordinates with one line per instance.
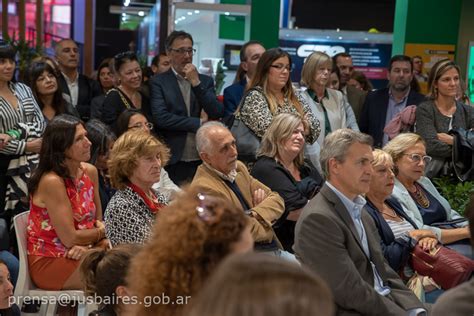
(259, 284)
(102, 271)
(261, 79)
(185, 247)
(126, 151)
(439, 69)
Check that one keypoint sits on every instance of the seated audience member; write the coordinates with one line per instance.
(271, 93)
(12, 264)
(360, 81)
(281, 167)
(441, 113)
(46, 90)
(190, 238)
(134, 120)
(458, 301)
(337, 239)
(398, 233)
(65, 211)
(262, 285)
(134, 166)
(6, 293)
(420, 199)
(127, 94)
(221, 174)
(328, 105)
(382, 105)
(102, 140)
(250, 54)
(104, 272)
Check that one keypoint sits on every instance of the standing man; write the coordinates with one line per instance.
(337, 239)
(160, 63)
(181, 100)
(77, 89)
(382, 105)
(250, 54)
(355, 97)
(418, 69)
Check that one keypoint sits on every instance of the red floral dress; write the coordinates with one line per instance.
(42, 237)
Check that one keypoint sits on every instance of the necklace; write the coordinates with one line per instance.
(420, 197)
(394, 215)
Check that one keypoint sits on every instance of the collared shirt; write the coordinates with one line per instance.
(73, 86)
(189, 151)
(327, 123)
(355, 208)
(394, 107)
(229, 177)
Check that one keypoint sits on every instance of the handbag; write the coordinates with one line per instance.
(445, 266)
(246, 141)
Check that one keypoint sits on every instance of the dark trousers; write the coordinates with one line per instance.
(182, 172)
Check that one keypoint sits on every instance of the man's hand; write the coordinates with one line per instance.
(191, 74)
(258, 196)
(34, 146)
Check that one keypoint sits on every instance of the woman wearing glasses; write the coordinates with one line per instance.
(135, 120)
(441, 113)
(419, 198)
(127, 94)
(271, 93)
(135, 165)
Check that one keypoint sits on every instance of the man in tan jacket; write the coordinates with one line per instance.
(223, 175)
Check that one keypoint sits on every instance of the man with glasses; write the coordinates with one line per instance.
(77, 89)
(249, 56)
(181, 100)
(382, 105)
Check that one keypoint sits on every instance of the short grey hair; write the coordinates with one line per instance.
(337, 143)
(203, 142)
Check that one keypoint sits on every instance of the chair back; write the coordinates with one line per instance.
(24, 284)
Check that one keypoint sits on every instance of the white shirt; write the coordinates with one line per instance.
(73, 86)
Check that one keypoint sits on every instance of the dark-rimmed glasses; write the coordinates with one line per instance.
(182, 51)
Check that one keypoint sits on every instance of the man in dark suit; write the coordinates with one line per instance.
(181, 100)
(382, 105)
(249, 56)
(338, 240)
(77, 89)
(355, 97)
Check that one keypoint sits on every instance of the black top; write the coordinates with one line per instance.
(116, 101)
(434, 213)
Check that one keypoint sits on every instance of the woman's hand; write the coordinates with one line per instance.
(445, 138)
(421, 233)
(427, 243)
(76, 252)
(34, 146)
(294, 215)
(4, 139)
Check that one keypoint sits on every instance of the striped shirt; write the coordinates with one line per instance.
(26, 118)
(400, 228)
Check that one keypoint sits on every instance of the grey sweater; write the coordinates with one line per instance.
(430, 121)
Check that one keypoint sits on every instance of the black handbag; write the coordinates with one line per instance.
(247, 142)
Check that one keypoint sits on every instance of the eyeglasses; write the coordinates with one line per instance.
(205, 212)
(417, 158)
(281, 67)
(147, 125)
(182, 51)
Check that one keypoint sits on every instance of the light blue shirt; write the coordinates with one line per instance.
(355, 208)
(393, 109)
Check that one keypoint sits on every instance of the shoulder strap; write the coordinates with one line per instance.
(241, 104)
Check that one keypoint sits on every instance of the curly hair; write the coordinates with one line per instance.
(190, 237)
(127, 150)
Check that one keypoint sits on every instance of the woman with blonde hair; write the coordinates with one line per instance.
(135, 165)
(441, 113)
(281, 167)
(420, 199)
(328, 105)
(190, 238)
(271, 93)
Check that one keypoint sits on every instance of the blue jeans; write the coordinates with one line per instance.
(12, 263)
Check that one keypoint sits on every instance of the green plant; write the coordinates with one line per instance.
(457, 193)
(220, 75)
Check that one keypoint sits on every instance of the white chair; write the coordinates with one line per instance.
(26, 288)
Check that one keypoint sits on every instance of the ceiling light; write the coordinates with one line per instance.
(126, 3)
(196, 11)
(141, 13)
(227, 13)
(190, 13)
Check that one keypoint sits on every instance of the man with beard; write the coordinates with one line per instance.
(382, 105)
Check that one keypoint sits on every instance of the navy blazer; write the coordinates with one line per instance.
(169, 113)
(88, 89)
(374, 112)
(396, 251)
(232, 96)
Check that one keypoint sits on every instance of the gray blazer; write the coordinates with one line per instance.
(326, 240)
(456, 302)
